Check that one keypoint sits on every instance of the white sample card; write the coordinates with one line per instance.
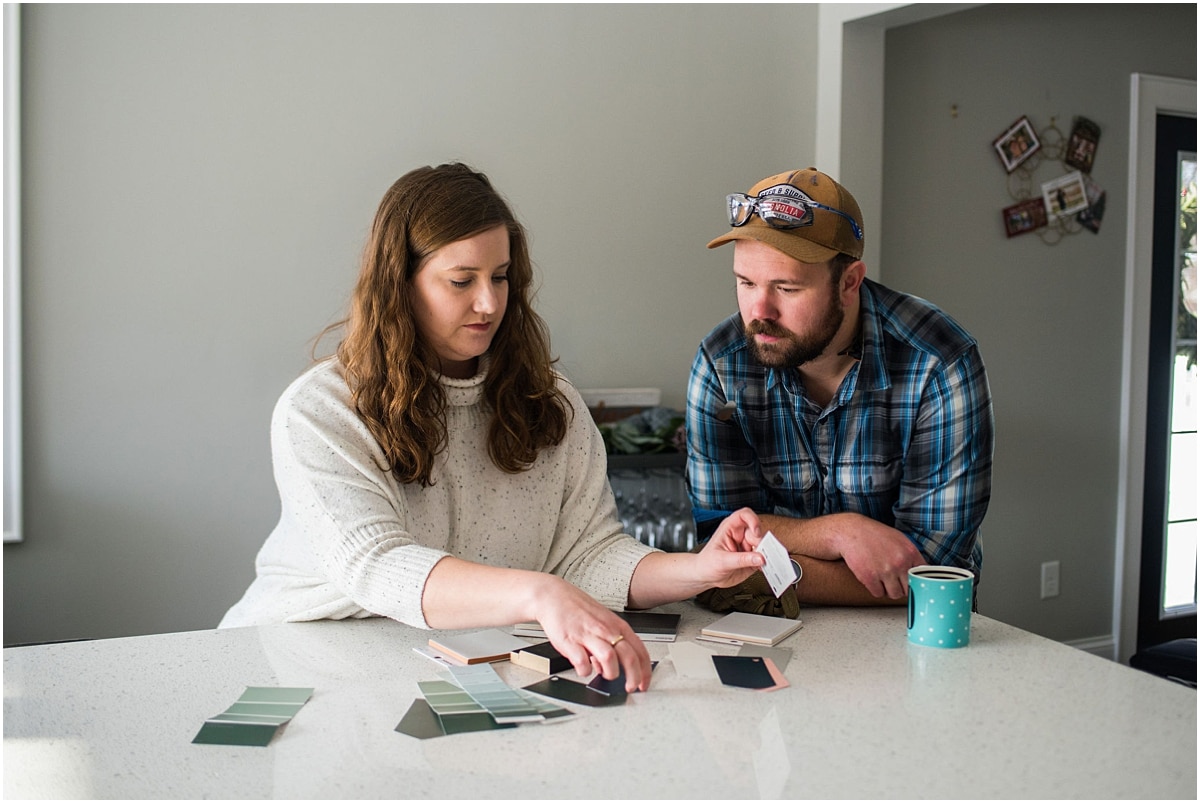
(692, 661)
(780, 570)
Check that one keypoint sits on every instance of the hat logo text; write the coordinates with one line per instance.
(773, 202)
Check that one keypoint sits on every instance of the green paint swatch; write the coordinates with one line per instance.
(485, 687)
(255, 717)
(447, 709)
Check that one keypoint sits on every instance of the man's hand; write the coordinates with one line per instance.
(880, 556)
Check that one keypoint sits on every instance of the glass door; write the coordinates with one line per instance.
(1183, 485)
(1167, 608)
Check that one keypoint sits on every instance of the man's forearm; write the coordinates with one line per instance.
(830, 582)
(827, 579)
(867, 562)
(814, 537)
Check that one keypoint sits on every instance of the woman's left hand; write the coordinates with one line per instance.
(729, 557)
(726, 560)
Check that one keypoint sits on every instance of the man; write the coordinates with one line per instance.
(856, 420)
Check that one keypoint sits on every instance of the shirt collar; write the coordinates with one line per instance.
(872, 367)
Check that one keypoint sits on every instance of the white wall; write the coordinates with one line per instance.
(1049, 318)
(198, 184)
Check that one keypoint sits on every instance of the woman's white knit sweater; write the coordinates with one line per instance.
(353, 542)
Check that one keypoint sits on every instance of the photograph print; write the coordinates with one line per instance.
(1016, 144)
(1065, 195)
(1024, 217)
(1081, 147)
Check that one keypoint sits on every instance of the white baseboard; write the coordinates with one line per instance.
(1102, 646)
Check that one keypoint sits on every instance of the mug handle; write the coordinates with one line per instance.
(912, 609)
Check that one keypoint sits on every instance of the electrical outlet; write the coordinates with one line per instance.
(1049, 579)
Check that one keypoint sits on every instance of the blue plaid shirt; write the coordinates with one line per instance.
(907, 440)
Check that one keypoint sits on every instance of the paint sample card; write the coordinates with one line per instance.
(749, 672)
(544, 658)
(742, 628)
(615, 686)
(780, 570)
(253, 720)
(479, 647)
(692, 661)
(652, 625)
(780, 681)
(455, 710)
(421, 722)
(547, 709)
(647, 625)
(435, 656)
(780, 656)
(485, 687)
(447, 698)
(745, 673)
(447, 709)
(571, 691)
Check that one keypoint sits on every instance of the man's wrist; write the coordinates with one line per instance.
(822, 537)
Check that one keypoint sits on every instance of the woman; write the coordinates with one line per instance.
(439, 472)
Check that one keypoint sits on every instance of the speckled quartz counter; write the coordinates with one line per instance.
(866, 716)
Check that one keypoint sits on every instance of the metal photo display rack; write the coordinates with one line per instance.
(1058, 205)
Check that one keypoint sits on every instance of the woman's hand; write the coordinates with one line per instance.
(590, 636)
(460, 594)
(726, 560)
(729, 557)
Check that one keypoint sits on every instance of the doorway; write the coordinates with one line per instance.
(1167, 587)
(1151, 97)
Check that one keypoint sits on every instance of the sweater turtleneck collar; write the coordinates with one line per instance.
(465, 392)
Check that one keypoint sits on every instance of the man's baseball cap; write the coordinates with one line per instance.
(808, 216)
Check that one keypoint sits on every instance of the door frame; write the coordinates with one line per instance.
(1149, 96)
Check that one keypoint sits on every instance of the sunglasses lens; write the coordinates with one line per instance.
(740, 209)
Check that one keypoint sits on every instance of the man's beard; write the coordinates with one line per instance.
(794, 349)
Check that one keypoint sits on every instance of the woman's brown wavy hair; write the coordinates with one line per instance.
(393, 372)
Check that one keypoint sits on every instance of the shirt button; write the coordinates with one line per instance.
(778, 480)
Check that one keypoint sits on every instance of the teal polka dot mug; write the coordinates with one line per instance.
(939, 606)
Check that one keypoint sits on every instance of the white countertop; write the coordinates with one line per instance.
(866, 716)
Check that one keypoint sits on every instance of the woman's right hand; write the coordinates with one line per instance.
(460, 594)
(590, 636)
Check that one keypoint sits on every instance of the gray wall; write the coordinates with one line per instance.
(1049, 317)
(198, 184)
(199, 180)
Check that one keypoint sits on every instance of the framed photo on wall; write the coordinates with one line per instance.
(1016, 144)
(1024, 217)
(1065, 195)
(1081, 147)
(1091, 217)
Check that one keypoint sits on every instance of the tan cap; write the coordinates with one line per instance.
(818, 234)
